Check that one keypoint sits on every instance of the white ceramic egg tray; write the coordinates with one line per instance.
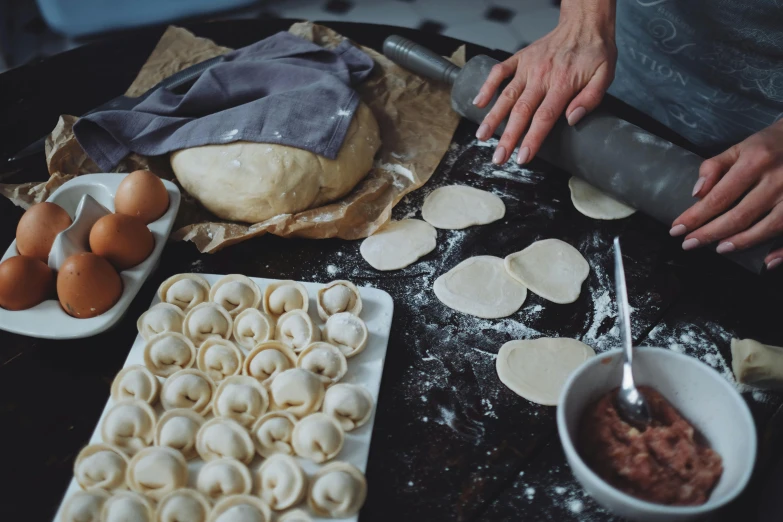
(365, 369)
(48, 320)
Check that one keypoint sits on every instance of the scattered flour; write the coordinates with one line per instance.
(332, 270)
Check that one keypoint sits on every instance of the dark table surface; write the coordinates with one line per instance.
(450, 441)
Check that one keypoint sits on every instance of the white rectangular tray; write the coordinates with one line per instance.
(48, 320)
(365, 369)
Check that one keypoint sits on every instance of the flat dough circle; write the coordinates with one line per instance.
(399, 244)
(595, 204)
(252, 182)
(480, 286)
(537, 370)
(551, 268)
(456, 207)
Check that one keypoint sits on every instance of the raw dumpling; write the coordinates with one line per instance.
(207, 321)
(100, 466)
(191, 389)
(241, 508)
(183, 505)
(347, 332)
(224, 438)
(253, 327)
(127, 506)
(318, 437)
(297, 391)
(163, 317)
(267, 360)
(177, 429)
(349, 404)
(219, 359)
(224, 477)
(281, 482)
(157, 471)
(338, 490)
(297, 330)
(272, 433)
(241, 398)
(336, 297)
(135, 382)
(295, 515)
(184, 291)
(169, 352)
(235, 293)
(285, 296)
(84, 506)
(324, 360)
(129, 425)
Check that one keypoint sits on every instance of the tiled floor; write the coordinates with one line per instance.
(500, 24)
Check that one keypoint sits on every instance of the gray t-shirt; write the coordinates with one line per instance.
(711, 70)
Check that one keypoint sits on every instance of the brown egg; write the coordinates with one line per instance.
(24, 282)
(125, 241)
(87, 285)
(143, 195)
(38, 227)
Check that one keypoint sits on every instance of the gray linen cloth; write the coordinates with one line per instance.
(284, 90)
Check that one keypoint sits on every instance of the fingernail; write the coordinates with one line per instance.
(677, 230)
(576, 115)
(524, 154)
(477, 99)
(690, 244)
(774, 263)
(725, 248)
(483, 131)
(697, 187)
(500, 156)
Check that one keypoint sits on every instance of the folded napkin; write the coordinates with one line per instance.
(284, 90)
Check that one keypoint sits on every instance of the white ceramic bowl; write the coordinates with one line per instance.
(703, 397)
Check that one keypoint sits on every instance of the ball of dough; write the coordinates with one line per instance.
(252, 182)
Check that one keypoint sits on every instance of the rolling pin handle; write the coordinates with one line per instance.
(417, 58)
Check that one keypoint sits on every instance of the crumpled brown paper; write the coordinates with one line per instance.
(416, 123)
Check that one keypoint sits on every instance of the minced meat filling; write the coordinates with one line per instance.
(667, 463)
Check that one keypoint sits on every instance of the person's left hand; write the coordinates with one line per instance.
(749, 174)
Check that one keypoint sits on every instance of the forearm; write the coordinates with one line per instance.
(595, 14)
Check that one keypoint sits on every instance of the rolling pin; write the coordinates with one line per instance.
(648, 173)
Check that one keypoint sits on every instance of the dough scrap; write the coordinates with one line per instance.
(480, 286)
(595, 204)
(551, 268)
(757, 364)
(457, 206)
(398, 244)
(252, 182)
(537, 369)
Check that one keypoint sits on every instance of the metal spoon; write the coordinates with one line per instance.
(630, 403)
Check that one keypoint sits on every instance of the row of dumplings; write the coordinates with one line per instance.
(303, 417)
(158, 478)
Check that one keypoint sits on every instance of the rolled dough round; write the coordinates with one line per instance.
(480, 286)
(457, 206)
(252, 182)
(595, 204)
(398, 244)
(551, 268)
(537, 370)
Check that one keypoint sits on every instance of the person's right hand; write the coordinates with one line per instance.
(571, 67)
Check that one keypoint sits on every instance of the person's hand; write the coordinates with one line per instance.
(749, 174)
(571, 67)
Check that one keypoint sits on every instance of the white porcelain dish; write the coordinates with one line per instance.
(701, 394)
(366, 369)
(48, 320)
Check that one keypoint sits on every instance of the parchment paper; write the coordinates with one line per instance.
(416, 123)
